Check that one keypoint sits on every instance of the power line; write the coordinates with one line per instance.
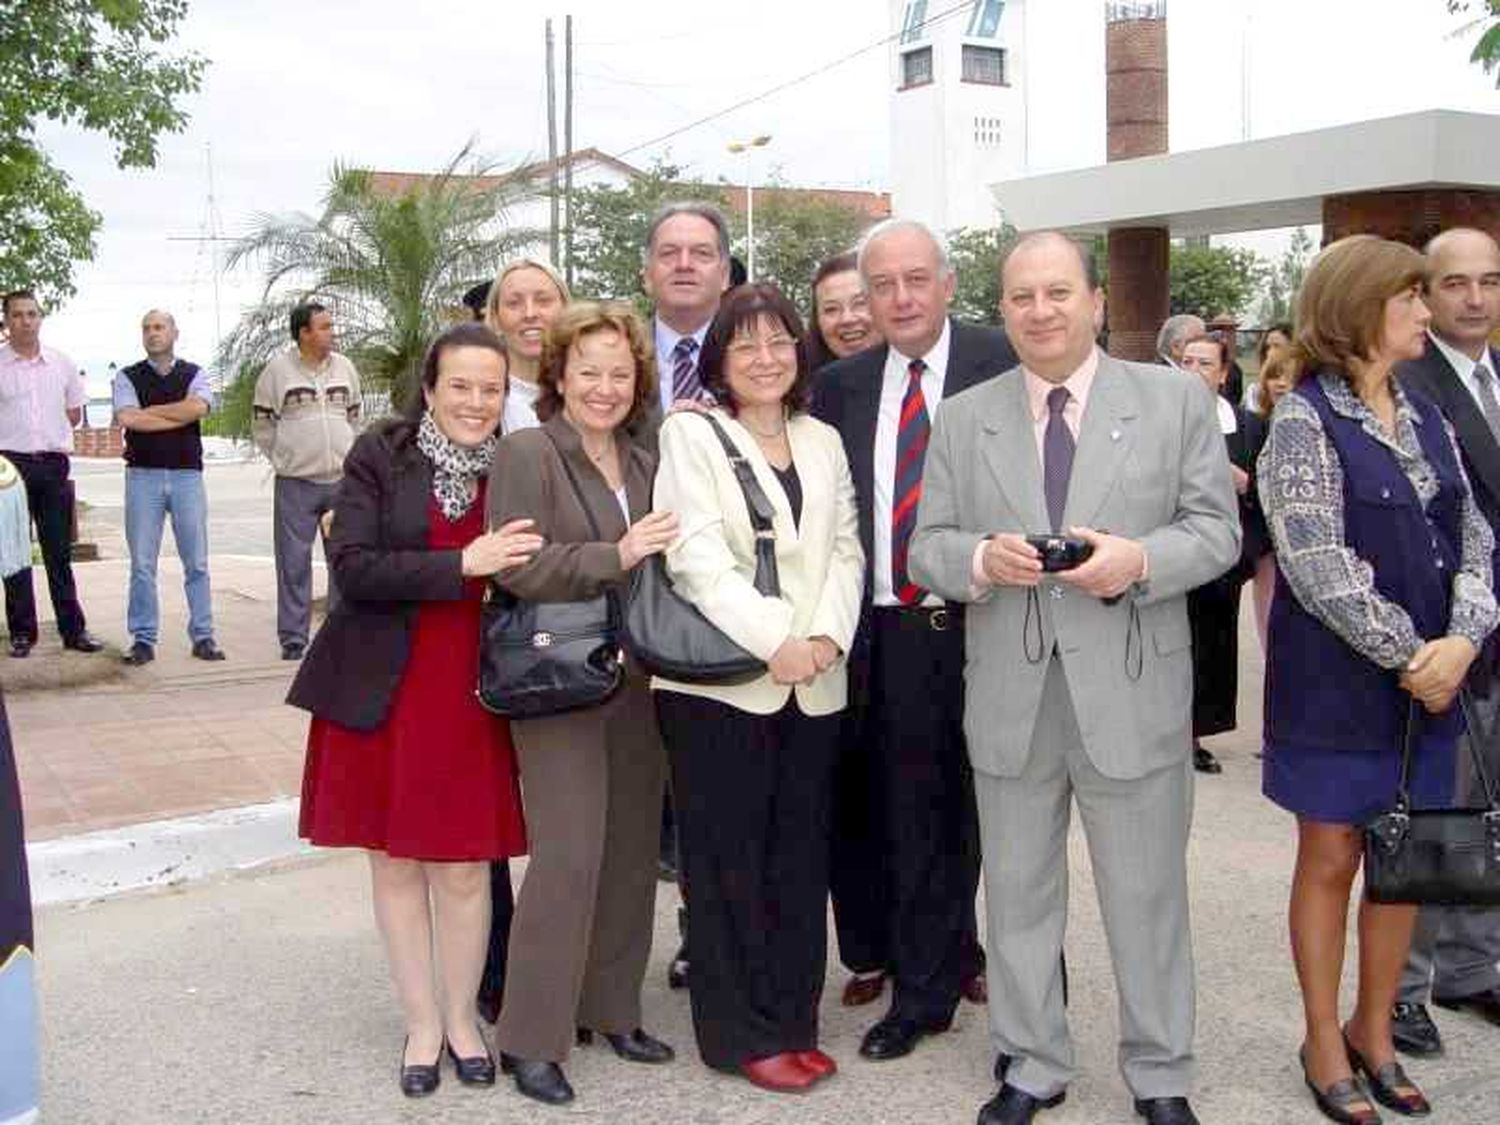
(930, 21)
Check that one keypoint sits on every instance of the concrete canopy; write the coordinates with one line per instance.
(1256, 185)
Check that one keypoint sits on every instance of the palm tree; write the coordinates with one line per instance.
(390, 267)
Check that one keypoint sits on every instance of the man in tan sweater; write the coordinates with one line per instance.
(306, 407)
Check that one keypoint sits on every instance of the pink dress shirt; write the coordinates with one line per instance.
(35, 397)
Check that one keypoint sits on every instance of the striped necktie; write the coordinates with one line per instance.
(1484, 378)
(911, 450)
(685, 382)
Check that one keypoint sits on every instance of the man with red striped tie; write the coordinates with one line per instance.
(905, 752)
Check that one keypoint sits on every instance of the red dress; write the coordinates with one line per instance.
(437, 779)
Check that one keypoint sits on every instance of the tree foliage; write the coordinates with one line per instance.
(102, 65)
(975, 254)
(1209, 280)
(391, 269)
(1284, 278)
(1484, 17)
(794, 234)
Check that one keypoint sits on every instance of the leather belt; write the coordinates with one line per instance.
(939, 618)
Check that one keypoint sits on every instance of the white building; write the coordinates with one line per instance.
(990, 91)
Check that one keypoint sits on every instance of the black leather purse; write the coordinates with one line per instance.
(547, 658)
(1449, 857)
(667, 634)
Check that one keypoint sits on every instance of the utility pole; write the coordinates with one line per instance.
(568, 148)
(552, 137)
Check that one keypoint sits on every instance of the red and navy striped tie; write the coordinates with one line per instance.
(911, 451)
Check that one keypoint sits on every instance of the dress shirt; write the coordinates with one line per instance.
(892, 390)
(122, 390)
(1464, 366)
(520, 406)
(666, 340)
(35, 397)
(1228, 423)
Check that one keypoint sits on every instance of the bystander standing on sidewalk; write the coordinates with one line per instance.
(159, 402)
(306, 406)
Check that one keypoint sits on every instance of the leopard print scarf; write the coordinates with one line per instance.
(455, 468)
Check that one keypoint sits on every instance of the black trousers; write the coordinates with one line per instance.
(49, 493)
(502, 910)
(752, 796)
(912, 728)
(859, 879)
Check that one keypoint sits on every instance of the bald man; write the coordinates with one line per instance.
(160, 403)
(1455, 952)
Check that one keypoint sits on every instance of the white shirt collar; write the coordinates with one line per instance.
(1459, 361)
(936, 357)
(667, 337)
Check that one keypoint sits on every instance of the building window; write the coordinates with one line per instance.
(916, 67)
(913, 27)
(986, 132)
(984, 65)
(984, 19)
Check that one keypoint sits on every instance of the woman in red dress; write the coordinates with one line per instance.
(401, 759)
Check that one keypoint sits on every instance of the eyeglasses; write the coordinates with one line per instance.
(744, 348)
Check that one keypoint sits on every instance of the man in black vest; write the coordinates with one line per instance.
(159, 403)
(906, 666)
(1455, 951)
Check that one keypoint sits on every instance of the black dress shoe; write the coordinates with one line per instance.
(677, 968)
(83, 642)
(1166, 1111)
(20, 647)
(140, 653)
(476, 1070)
(540, 1081)
(636, 1047)
(1485, 1005)
(896, 1036)
(207, 649)
(1413, 1031)
(1205, 762)
(1016, 1107)
(419, 1081)
(293, 650)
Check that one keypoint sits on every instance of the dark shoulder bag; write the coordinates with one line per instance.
(546, 658)
(667, 634)
(1443, 856)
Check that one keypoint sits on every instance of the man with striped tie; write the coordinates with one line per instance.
(906, 666)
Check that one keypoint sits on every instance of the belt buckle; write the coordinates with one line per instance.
(937, 620)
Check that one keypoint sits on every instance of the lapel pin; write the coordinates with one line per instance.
(1114, 435)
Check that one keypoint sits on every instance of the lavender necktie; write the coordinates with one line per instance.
(685, 383)
(1057, 456)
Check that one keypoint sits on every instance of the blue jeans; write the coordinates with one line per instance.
(151, 495)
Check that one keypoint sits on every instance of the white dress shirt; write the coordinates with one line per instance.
(666, 343)
(1464, 366)
(888, 422)
(520, 406)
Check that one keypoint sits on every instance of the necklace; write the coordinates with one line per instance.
(602, 454)
(772, 436)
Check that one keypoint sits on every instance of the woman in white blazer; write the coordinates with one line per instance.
(752, 764)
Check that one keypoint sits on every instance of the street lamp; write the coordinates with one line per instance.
(745, 147)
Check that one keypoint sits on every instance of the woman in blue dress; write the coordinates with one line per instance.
(1383, 599)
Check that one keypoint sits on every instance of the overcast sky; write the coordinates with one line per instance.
(293, 86)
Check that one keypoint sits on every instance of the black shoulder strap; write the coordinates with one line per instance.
(762, 511)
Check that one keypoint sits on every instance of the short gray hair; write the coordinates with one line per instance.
(697, 208)
(1174, 329)
(892, 226)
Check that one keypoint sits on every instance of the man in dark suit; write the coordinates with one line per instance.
(906, 666)
(1455, 951)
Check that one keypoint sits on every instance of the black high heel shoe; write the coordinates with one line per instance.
(419, 1081)
(1334, 1101)
(1384, 1084)
(540, 1081)
(637, 1047)
(476, 1070)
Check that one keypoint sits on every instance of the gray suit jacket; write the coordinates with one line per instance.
(1149, 465)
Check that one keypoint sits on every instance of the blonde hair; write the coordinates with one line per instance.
(1341, 305)
(584, 319)
(1282, 363)
(492, 302)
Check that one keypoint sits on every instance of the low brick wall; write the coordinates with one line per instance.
(98, 441)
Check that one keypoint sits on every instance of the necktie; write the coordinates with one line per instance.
(911, 451)
(685, 382)
(1484, 378)
(1057, 456)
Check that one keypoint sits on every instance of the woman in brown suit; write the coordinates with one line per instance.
(593, 779)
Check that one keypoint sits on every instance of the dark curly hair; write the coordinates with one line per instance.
(741, 307)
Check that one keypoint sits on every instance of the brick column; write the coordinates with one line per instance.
(1412, 217)
(1139, 294)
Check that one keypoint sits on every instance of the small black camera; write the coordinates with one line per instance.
(1060, 552)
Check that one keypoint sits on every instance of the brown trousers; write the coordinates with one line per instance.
(592, 783)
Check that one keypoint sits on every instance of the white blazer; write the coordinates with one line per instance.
(712, 564)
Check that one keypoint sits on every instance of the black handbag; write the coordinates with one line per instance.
(547, 658)
(1449, 857)
(667, 634)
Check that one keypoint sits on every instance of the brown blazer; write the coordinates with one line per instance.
(528, 480)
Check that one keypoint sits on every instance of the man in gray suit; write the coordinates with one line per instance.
(1079, 682)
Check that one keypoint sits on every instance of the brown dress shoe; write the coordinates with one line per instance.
(863, 988)
(975, 990)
